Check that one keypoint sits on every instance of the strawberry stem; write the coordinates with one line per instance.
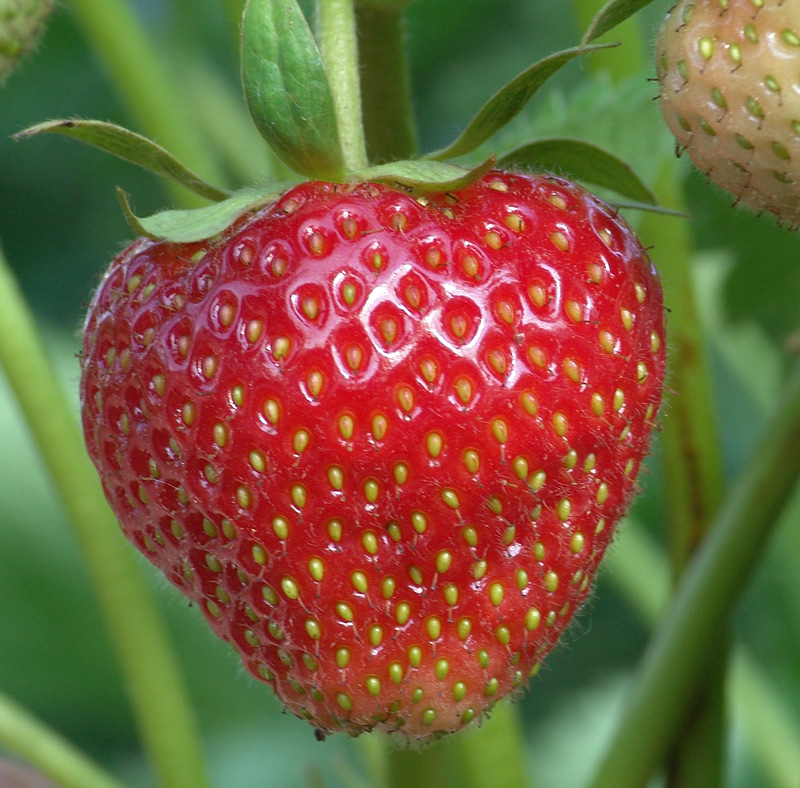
(46, 750)
(690, 441)
(385, 83)
(339, 49)
(154, 681)
(695, 622)
(146, 85)
(641, 574)
(693, 475)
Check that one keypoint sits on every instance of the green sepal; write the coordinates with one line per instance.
(613, 13)
(286, 88)
(198, 224)
(422, 175)
(129, 146)
(508, 102)
(582, 161)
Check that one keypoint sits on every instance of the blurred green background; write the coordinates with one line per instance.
(60, 224)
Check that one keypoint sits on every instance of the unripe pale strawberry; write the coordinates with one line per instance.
(729, 72)
(21, 24)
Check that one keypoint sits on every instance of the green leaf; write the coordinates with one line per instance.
(129, 146)
(508, 102)
(581, 160)
(610, 15)
(198, 224)
(286, 88)
(425, 175)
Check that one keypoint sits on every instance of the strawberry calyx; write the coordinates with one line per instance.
(292, 98)
(199, 224)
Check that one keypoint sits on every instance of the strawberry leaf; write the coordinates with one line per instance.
(286, 88)
(129, 146)
(581, 160)
(508, 102)
(424, 175)
(610, 15)
(197, 224)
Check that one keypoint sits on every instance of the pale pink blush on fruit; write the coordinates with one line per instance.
(730, 93)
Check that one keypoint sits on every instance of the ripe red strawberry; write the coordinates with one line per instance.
(730, 78)
(383, 441)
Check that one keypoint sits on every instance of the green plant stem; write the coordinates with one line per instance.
(773, 734)
(339, 49)
(51, 754)
(146, 85)
(693, 474)
(643, 577)
(695, 622)
(385, 84)
(690, 440)
(152, 675)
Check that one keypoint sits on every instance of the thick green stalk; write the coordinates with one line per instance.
(773, 732)
(152, 675)
(695, 623)
(690, 439)
(641, 573)
(385, 84)
(693, 475)
(146, 85)
(339, 49)
(51, 754)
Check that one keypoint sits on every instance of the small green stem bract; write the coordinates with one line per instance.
(385, 83)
